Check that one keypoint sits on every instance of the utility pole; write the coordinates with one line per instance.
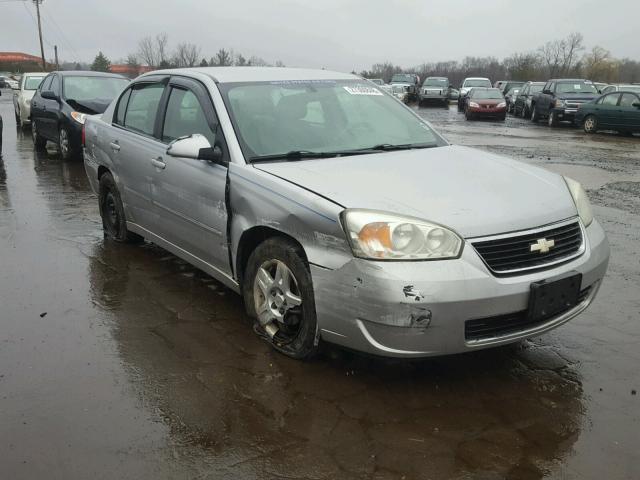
(44, 63)
(55, 50)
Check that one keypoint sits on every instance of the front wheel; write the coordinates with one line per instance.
(38, 140)
(114, 222)
(590, 124)
(553, 119)
(535, 116)
(278, 294)
(67, 150)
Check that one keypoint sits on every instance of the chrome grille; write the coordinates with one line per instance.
(507, 254)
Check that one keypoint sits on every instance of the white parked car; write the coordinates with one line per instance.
(23, 95)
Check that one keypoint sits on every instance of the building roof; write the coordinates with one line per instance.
(262, 74)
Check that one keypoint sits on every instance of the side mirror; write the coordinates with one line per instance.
(49, 95)
(546, 91)
(196, 147)
(636, 104)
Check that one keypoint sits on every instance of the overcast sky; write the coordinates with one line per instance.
(335, 34)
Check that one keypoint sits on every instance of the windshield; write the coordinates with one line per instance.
(436, 82)
(377, 81)
(92, 88)
(575, 87)
(477, 83)
(32, 83)
(536, 88)
(274, 118)
(403, 78)
(489, 94)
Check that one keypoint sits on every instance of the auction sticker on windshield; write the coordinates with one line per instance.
(363, 90)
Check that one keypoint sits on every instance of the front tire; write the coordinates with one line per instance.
(114, 222)
(38, 141)
(553, 119)
(590, 124)
(535, 116)
(278, 293)
(67, 150)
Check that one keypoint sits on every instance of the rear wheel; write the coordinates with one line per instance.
(278, 294)
(590, 124)
(38, 141)
(114, 222)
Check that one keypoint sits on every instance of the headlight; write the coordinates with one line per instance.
(474, 105)
(502, 104)
(581, 200)
(79, 117)
(559, 103)
(385, 236)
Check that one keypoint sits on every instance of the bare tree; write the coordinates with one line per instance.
(186, 55)
(599, 65)
(153, 51)
(570, 48)
(222, 59)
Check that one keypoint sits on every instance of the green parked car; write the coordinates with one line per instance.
(619, 111)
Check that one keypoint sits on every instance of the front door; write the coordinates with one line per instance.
(51, 111)
(608, 110)
(629, 115)
(189, 195)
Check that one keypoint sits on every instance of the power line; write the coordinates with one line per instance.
(63, 37)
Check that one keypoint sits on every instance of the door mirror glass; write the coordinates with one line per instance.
(546, 91)
(196, 147)
(49, 95)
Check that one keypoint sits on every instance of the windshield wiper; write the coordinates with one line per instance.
(388, 147)
(292, 156)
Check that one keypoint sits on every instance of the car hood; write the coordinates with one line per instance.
(474, 192)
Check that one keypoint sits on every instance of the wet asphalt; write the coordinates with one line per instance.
(123, 362)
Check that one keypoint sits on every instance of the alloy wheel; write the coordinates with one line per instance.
(277, 300)
(64, 143)
(589, 124)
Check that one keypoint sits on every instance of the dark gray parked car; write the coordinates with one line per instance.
(339, 214)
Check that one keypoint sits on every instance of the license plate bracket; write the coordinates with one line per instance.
(550, 297)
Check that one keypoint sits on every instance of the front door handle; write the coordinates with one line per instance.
(158, 163)
(115, 146)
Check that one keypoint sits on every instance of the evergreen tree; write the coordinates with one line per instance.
(101, 63)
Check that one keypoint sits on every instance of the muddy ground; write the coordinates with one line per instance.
(123, 362)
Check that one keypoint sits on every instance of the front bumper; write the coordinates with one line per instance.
(419, 309)
(488, 112)
(565, 114)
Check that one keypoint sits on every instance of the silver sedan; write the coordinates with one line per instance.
(339, 214)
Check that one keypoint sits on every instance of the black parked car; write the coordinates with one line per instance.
(63, 100)
(522, 104)
(560, 99)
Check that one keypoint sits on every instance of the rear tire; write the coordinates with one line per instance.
(114, 222)
(293, 332)
(38, 141)
(590, 124)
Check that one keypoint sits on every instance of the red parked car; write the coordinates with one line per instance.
(485, 102)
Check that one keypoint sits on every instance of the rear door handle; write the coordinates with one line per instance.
(115, 146)
(158, 163)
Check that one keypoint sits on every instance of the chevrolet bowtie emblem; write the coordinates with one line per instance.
(542, 245)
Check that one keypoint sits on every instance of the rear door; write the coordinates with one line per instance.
(133, 144)
(37, 103)
(188, 194)
(628, 114)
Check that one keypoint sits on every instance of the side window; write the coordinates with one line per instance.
(121, 108)
(143, 107)
(608, 89)
(185, 116)
(611, 100)
(552, 87)
(46, 84)
(55, 84)
(628, 99)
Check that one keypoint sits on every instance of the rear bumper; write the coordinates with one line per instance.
(418, 309)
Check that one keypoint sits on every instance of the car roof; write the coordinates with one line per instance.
(34, 74)
(258, 74)
(86, 73)
(479, 78)
(442, 78)
(567, 80)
